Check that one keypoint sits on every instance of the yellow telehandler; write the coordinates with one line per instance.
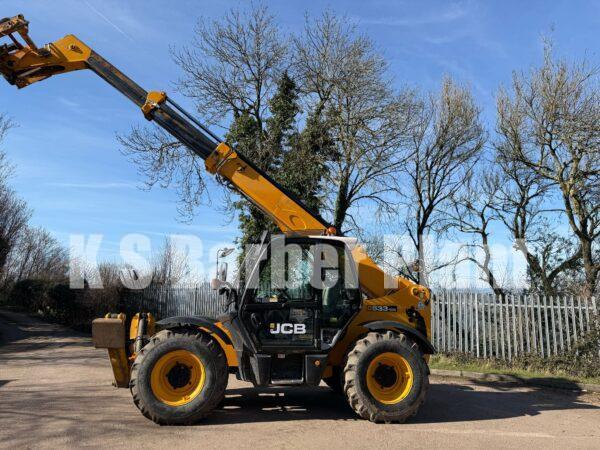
(365, 337)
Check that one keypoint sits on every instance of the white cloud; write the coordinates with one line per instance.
(453, 13)
(67, 102)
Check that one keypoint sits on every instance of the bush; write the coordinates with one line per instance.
(59, 303)
(582, 361)
(62, 305)
(30, 295)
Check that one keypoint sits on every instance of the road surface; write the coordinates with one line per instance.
(55, 392)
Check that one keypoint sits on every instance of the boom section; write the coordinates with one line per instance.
(23, 63)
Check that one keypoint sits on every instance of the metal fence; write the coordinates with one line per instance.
(490, 326)
(168, 301)
(482, 325)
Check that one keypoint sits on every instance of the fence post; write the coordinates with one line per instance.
(454, 334)
(508, 327)
(445, 330)
(514, 325)
(496, 343)
(472, 327)
(477, 324)
(433, 321)
(491, 340)
(466, 323)
(567, 325)
(439, 322)
(527, 323)
(587, 314)
(481, 306)
(574, 319)
(540, 325)
(502, 321)
(546, 326)
(460, 316)
(581, 327)
(553, 321)
(560, 325)
(533, 326)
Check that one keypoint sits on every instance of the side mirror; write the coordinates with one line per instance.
(217, 283)
(223, 271)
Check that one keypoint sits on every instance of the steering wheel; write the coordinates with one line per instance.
(284, 293)
(231, 299)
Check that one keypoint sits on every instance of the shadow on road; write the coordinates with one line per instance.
(23, 333)
(462, 402)
(445, 403)
(3, 382)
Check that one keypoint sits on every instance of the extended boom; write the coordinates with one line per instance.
(23, 63)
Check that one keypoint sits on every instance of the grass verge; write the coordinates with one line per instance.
(523, 368)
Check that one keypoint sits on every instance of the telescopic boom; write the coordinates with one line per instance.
(22, 63)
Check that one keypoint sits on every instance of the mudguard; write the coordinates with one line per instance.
(195, 321)
(415, 334)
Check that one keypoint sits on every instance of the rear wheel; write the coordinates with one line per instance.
(386, 377)
(178, 377)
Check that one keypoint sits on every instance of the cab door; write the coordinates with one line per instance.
(300, 296)
(282, 309)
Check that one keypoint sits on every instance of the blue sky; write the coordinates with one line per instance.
(70, 169)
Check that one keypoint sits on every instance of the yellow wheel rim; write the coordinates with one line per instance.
(389, 378)
(177, 377)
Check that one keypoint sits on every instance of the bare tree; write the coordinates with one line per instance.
(522, 203)
(14, 215)
(472, 212)
(229, 70)
(36, 255)
(553, 113)
(346, 86)
(233, 63)
(170, 265)
(24, 252)
(166, 162)
(444, 146)
(5, 167)
(110, 274)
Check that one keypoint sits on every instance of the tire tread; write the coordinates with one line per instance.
(354, 397)
(218, 391)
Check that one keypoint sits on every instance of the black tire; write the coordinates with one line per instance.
(216, 376)
(355, 373)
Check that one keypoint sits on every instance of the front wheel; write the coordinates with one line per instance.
(386, 377)
(178, 377)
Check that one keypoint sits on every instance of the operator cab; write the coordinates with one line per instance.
(298, 296)
(301, 294)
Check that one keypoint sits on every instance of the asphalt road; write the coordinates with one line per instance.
(55, 392)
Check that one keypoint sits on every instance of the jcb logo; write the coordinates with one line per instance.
(287, 328)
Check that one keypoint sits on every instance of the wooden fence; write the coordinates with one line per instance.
(482, 325)
(488, 326)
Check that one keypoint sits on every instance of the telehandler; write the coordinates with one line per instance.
(364, 338)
